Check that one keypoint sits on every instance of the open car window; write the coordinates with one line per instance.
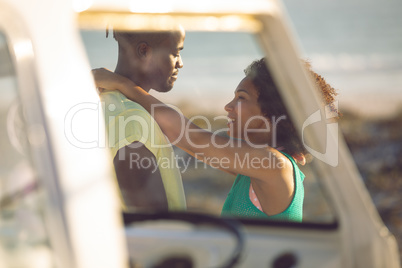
(214, 63)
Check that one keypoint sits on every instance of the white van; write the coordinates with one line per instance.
(59, 204)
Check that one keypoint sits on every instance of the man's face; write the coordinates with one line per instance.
(165, 62)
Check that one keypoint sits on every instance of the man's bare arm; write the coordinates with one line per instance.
(139, 178)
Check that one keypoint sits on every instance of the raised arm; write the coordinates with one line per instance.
(226, 153)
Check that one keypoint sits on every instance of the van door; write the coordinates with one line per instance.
(44, 216)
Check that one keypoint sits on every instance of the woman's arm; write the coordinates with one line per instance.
(233, 155)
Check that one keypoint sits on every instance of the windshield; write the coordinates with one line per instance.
(210, 72)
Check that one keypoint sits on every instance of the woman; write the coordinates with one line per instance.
(269, 183)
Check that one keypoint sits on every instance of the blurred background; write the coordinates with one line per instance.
(357, 46)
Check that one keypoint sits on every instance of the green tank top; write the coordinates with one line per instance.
(238, 202)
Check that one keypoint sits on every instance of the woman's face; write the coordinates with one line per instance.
(246, 120)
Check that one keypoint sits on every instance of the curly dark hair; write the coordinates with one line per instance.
(272, 106)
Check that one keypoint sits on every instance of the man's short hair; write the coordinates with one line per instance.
(151, 38)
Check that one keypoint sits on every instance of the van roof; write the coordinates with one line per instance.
(181, 6)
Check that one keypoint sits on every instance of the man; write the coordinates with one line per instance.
(144, 162)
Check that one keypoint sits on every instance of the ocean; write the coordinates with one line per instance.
(355, 44)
